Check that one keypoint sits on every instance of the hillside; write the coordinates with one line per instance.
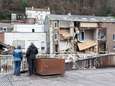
(83, 7)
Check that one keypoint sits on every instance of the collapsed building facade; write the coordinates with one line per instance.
(84, 34)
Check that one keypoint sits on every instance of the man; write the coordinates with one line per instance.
(31, 55)
(17, 55)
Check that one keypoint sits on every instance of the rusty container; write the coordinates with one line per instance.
(50, 66)
(107, 61)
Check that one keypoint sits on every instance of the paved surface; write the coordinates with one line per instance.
(96, 77)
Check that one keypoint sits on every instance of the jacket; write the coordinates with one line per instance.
(31, 52)
(17, 55)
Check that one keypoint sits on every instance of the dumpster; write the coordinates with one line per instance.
(50, 66)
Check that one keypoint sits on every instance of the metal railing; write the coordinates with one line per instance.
(7, 64)
(79, 61)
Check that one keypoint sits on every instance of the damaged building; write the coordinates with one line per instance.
(84, 34)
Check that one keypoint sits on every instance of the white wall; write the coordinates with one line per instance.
(38, 14)
(28, 28)
(39, 39)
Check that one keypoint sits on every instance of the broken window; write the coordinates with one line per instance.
(82, 36)
(102, 34)
(76, 24)
(56, 48)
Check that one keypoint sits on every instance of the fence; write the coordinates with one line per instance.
(7, 64)
(78, 61)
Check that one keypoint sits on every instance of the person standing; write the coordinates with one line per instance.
(17, 56)
(31, 55)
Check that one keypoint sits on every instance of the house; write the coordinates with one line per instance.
(18, 18)
(37, 14)
(6, 27)
(77, 33)
(26, 28)
(32, 30)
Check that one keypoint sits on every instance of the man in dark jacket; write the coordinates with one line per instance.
(31, 55)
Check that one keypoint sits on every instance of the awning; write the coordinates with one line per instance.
(86, 44)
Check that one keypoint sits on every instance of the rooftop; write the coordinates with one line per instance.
(93, 77)
(37, 9)
(80, 18)
(9, 25)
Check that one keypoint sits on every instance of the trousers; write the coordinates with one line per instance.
(17, 65)
(31, 66)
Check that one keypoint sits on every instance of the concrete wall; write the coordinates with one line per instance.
(110, 31)
(39, 39)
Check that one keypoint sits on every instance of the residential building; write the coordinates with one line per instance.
(29, 29)
(37, 14)
(6, 27)
(18, 18)
(77, 33)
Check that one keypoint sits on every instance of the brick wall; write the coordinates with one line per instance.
(1, 37)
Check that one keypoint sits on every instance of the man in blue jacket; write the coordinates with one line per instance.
(17, 56)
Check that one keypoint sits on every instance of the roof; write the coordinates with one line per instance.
(37, 9)
(9, 25)
(80, 18)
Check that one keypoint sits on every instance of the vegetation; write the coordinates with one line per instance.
(80, 7)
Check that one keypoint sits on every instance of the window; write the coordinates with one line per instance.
(113, 37)
(56, 48)
(56, 24)
(76, 24)
(33, 30)
(56, 36)
(42, 48)
(82, 36)
(4, 29)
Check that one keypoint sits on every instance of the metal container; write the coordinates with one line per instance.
(49, 66)
(107, 61)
